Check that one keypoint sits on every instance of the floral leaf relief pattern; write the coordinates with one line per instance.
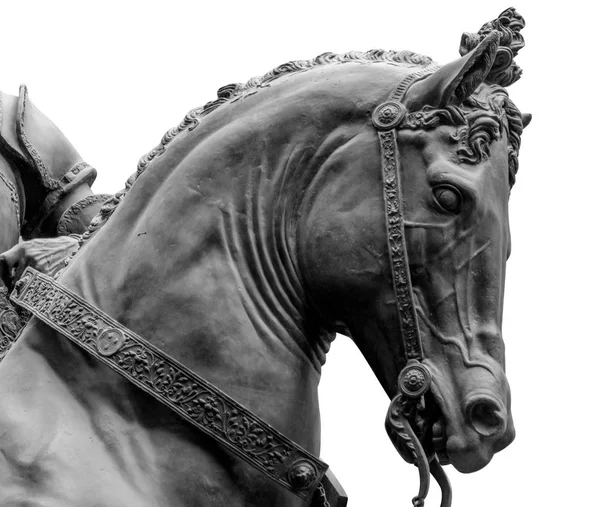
(190, 396)
(396, 244)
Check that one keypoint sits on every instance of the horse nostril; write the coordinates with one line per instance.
(486, 416)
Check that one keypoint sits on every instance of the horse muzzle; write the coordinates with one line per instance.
(468, 434)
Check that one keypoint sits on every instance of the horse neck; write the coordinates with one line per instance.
(205, 269)
(262, 243)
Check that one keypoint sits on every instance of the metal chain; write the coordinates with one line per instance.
(323, 496)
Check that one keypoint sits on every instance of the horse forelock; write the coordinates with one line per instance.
(481, 119)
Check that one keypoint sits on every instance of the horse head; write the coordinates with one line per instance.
(458, 141)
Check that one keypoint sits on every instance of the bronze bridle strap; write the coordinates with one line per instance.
(392, 194)
(386, 118)
(415, 379)
(187, 394)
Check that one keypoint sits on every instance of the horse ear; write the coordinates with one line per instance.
(456, 81)
(526, 119)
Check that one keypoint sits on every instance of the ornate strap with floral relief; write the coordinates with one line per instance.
(194, 399)
(386, 118)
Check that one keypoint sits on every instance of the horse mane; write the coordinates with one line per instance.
(482, 120)
(235, 90)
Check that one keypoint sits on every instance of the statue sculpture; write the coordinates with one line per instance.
(175, 361)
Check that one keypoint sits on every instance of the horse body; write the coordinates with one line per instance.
(239, 250)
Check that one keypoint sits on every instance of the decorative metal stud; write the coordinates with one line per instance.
(302, 474)
(414, 380)
(388, 115)
(109, 342)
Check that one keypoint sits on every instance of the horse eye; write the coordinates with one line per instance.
(448, 198)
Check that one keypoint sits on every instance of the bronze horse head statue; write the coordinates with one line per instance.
(264, 223)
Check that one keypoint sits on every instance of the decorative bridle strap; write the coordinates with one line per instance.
(392, 194)
(414, 379)
(193, 398)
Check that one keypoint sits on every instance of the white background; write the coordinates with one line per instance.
(114, 76)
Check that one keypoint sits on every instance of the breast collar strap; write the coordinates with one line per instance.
(190, 396)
